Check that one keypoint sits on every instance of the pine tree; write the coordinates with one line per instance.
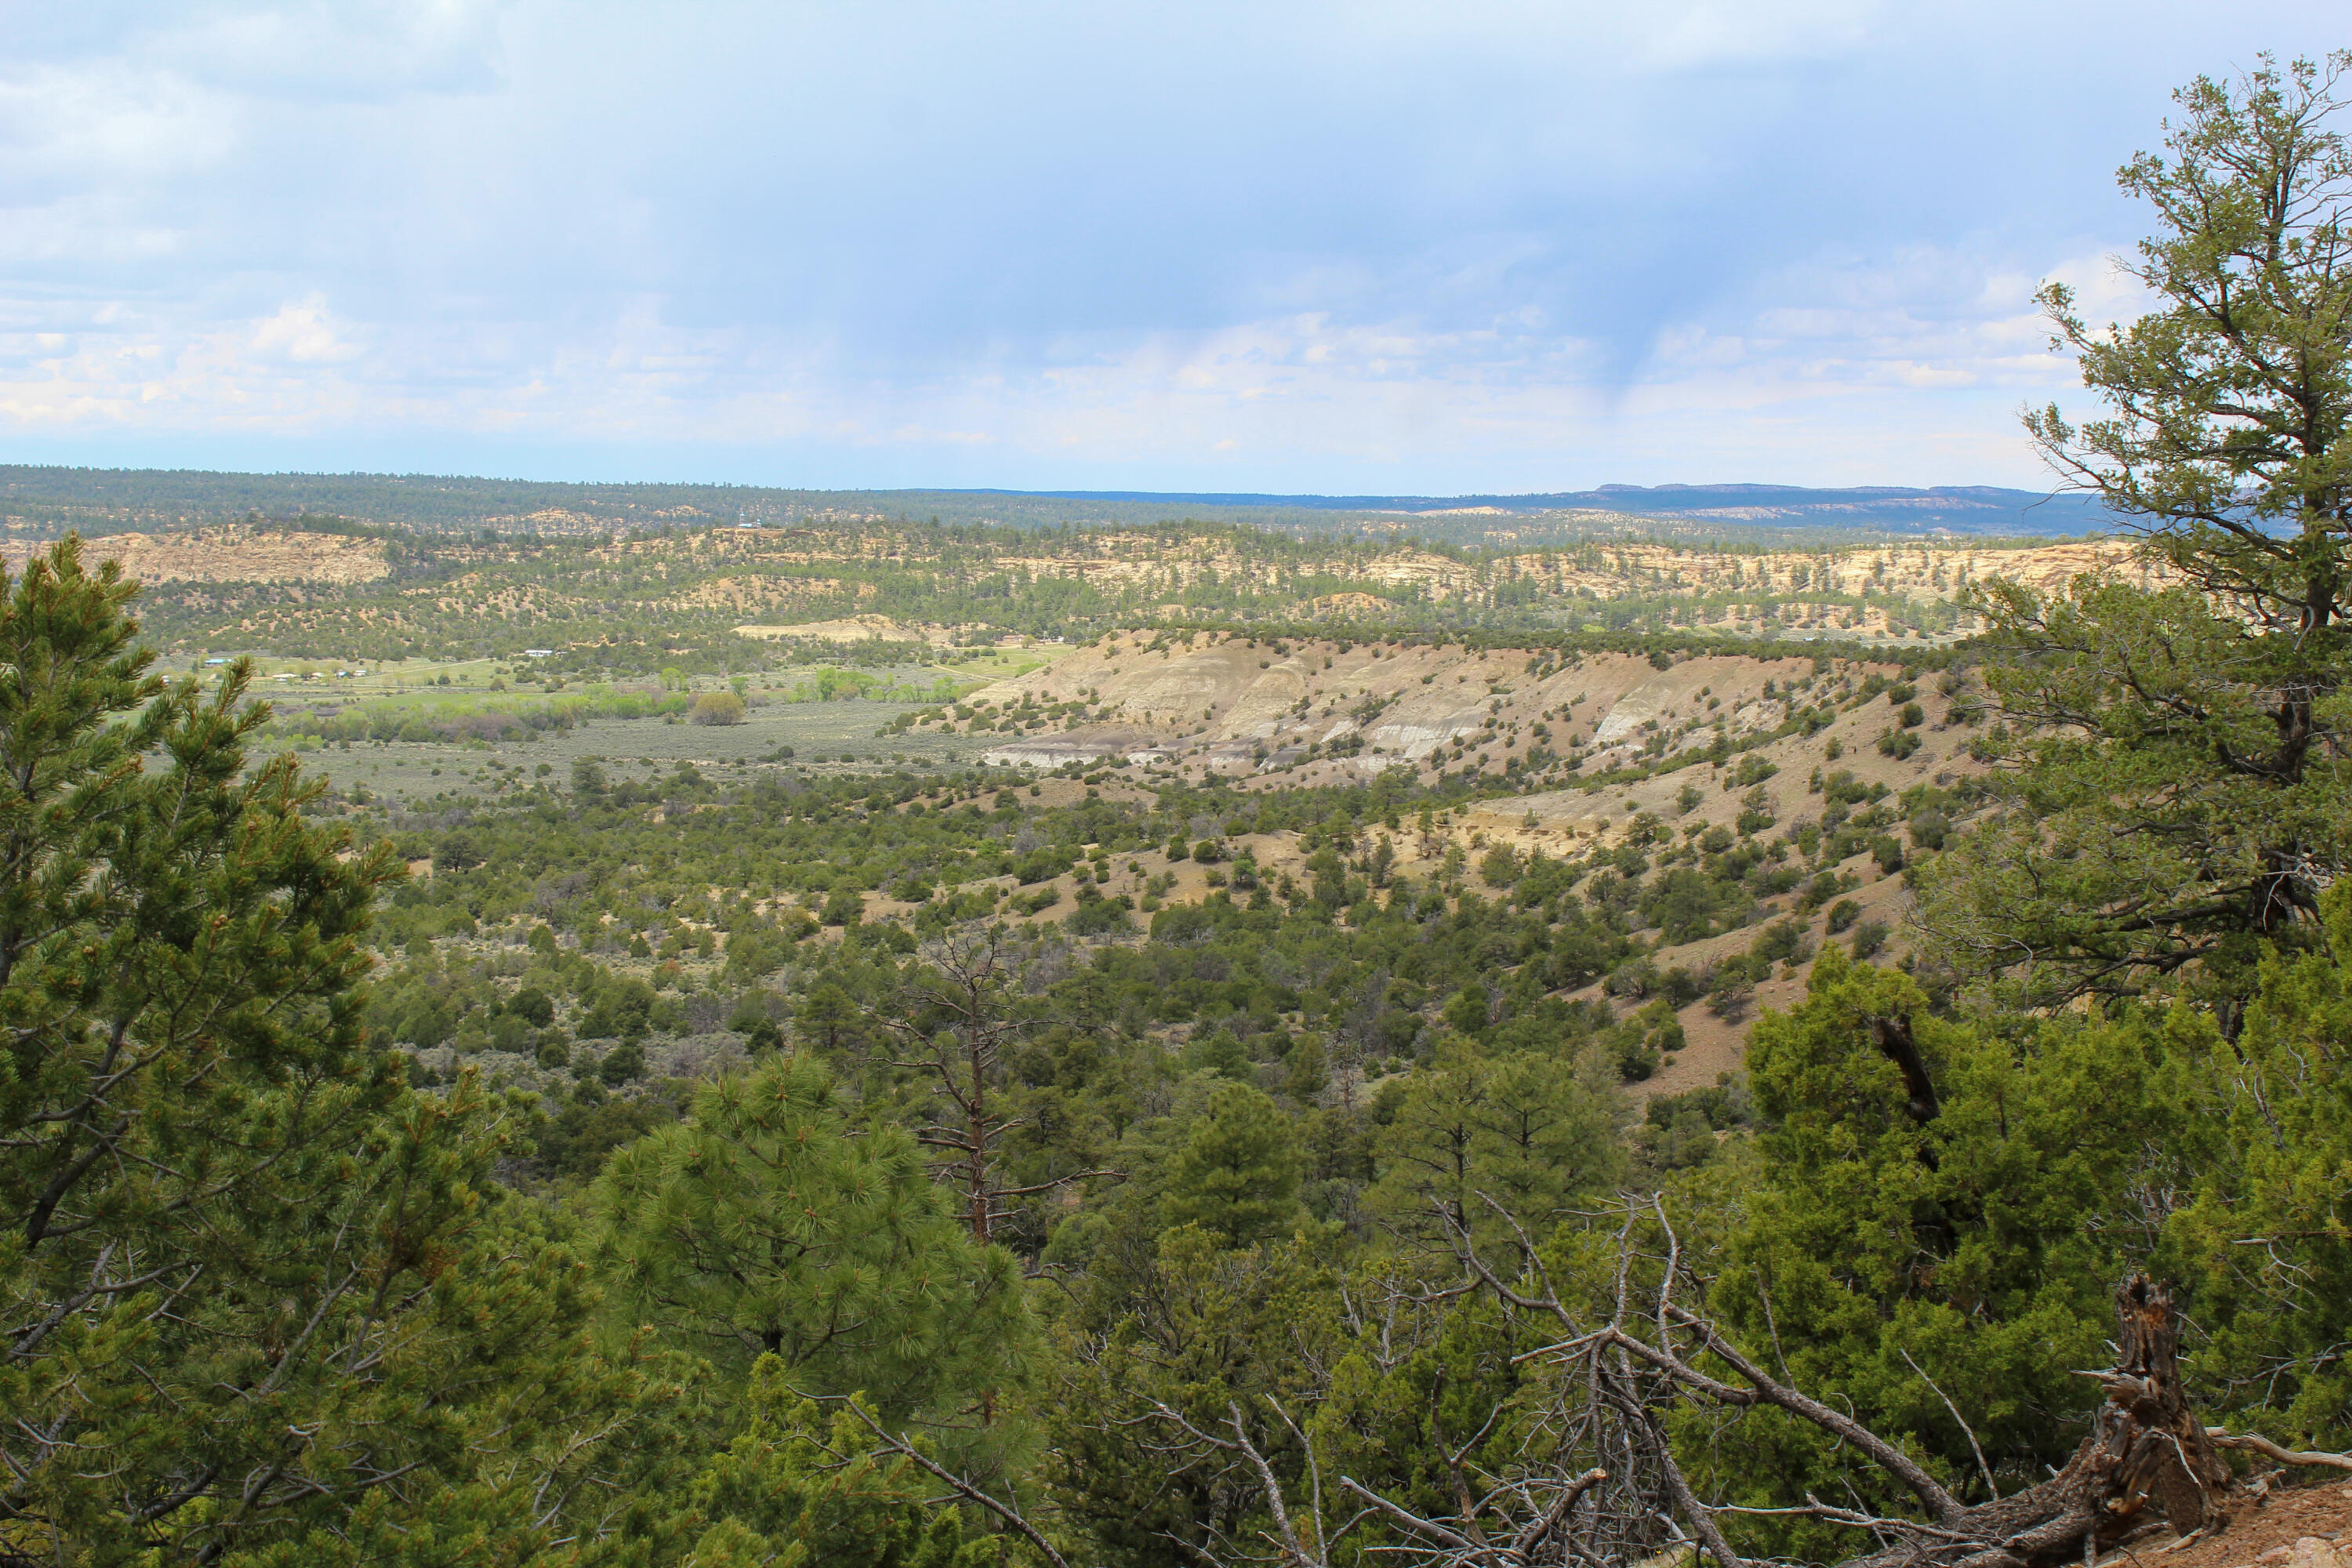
(1519, 1127)
(1236, 1176)
(2180, 796)
(248, 1285)
(767, 1224)
(783, 1492)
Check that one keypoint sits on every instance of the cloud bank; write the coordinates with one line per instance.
(1364, 248)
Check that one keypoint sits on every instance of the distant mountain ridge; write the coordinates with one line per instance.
(47, 499)
(1957, 509)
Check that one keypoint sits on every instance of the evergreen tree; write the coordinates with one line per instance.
(248, 1281)
(2181, 792)
(1236, 1176)
(767, 1224)
(1931, 1196)
(2270, 1112)
(1519, 1128)
(783, 1492)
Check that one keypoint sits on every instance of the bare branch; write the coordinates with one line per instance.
(2262, 1444)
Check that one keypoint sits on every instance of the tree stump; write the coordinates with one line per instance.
(2148, 1457)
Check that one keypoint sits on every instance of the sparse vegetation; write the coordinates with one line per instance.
(660, 1097)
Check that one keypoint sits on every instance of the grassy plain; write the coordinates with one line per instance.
(821, 735)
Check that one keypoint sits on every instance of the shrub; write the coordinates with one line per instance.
(1731, 996)
(716, 708)
(1782, 939)
(1635, 977)
(1096, 917)
(622, 1063)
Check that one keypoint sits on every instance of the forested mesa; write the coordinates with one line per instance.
(956, 1164)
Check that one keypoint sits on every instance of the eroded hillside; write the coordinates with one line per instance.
(231, 555)
(1838, 767)
(325, 593)
(1312, 711)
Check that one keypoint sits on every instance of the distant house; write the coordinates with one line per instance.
(538, 653)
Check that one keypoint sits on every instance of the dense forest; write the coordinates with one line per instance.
(945, 1166)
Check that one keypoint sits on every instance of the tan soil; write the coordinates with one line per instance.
(228, 555)
(2262, 1533)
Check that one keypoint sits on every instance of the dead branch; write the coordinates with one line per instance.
(892, 1444)
(2146, 1458)
(2262, 1444)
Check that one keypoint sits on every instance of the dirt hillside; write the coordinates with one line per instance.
(2294, 1527)
(229, 555)
(1270, 712)
(1267, 715)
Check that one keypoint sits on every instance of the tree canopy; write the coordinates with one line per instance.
(2179, 766)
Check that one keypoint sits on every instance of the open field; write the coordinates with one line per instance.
(821, 735)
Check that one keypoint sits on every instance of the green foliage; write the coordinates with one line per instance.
(1966, 1217)
(255, 1280)
(2273, 1108)
(2181, 785)
(2145, 829)
(764, 1226)
(1204, 1330)
(1236, 1178)
(1522, 1129)
(784, 1494)
(2231, 397)
(285, 1287)
(716, 708)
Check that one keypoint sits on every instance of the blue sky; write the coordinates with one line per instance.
(1429, 248)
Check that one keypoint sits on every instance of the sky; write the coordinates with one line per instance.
(1294, 247)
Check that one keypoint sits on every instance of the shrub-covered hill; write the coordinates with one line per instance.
(628, 603)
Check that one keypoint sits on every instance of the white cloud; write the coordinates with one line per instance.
(1825, 363)
(68, 127)
(365, 50)
(1512, 245)
(303, 333)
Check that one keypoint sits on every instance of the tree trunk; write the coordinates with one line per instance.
(2146, 1458)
